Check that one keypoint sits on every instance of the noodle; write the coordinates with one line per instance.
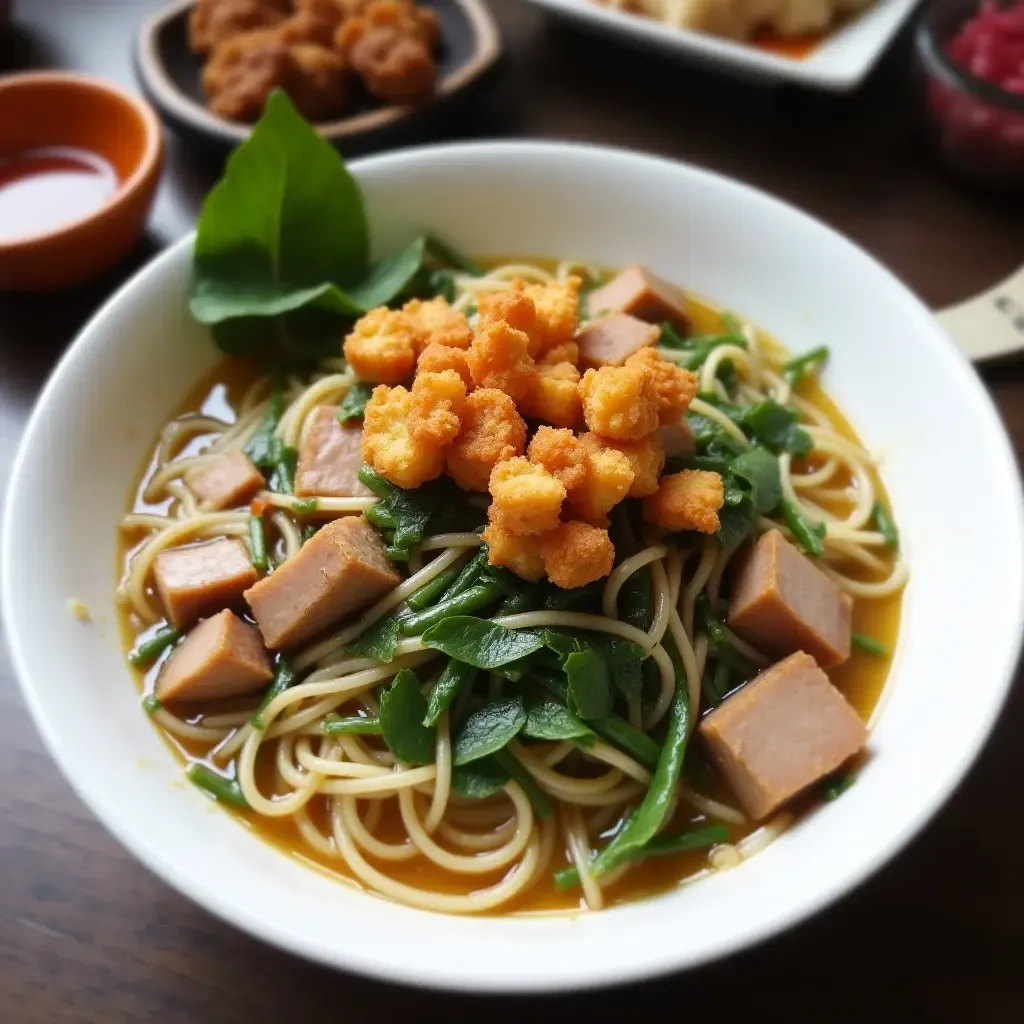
(346, 798)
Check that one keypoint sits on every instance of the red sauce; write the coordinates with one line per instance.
(43, 189)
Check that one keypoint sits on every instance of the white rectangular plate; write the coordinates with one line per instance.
(837, 64)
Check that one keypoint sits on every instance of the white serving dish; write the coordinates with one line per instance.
(894, 372)
(837, 64)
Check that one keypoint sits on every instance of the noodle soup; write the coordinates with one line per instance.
(306, 762)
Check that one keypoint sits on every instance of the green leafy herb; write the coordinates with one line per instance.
(549, 720)
(223, 790)
(429, 593)
(538, 801)
(402, 710)
(284, 677)
(756, 474)
(671, 339)
(151, 703)
(407, 512)
(282, 479)
(148, 650)
(885, 525)
(809, 361)
(776, 427)
(480, 643)
(810, 536)
(869, 645)
(388, 278)
(377, 641)
(835, 785)
(353, 405)
(480, 780)
(488, 730)
(578, 598)
(447, 254)
(357, 725)
(456, 678)
(257, 544)
(263, 447)
(590, 692)
(474, 599)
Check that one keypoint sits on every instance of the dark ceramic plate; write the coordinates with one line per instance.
(170, 75)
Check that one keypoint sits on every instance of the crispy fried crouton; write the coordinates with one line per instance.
(515, 552)
(498, 358)
(437, 358)
(646, 459)
(620, 402)
(526, 495)
(380, 347)
(675, 385)
(553, 396)
(492, 431)
(567, 352)
(608, 479)
(561, 454)
(689, 500)
(438, 402)
(576, 553)
(557, 309)
(513, 307)
(388, 445)
(434, 320)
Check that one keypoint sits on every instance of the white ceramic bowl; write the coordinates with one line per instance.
(899, 378)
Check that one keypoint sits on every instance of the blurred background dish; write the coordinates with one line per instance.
(363, 71)
(79, 165)
(792, 41)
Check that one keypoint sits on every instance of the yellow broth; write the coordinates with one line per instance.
(861, 680)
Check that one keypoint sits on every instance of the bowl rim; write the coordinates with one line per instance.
(147, 164)
(937, 62)
(657, 963)
(154, 76)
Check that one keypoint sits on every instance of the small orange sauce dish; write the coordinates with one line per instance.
(79, 164)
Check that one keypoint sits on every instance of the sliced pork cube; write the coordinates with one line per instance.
(612, 339)
(642, 294)
(782, 602)
(199, 579)
(221, 657)
(783, 731)
(329, 457)
(341, 569)
(231, 479)
(677, 439)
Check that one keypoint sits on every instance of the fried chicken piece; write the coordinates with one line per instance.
(675, 385)
(620, 402)
(512, 307)
(609, 476)
(499, 358)
(553, 395)
(404, 16)
(438, 403)
(646, 459)
(520, 554)
(566, 352)
(561, 454)
(388, 445)
(395, 65)
(309, 27)
(492, 431)
(320, 88)
(557, 312)
(688, 500)
(527, 497)
(380, 347)
(576, 554)
(436, 358)
(212, 22)
(434, 320)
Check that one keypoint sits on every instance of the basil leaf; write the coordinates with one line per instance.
(261, 447)
(456, 676)
(757, 471)
(353, 406)
(402, 709)
(563, 644)
(547, 720)
(590, 691)
(377, 641)
(484, 779)
(775, 426)
(389, 277)
(479, 643)
(625, 660)
(488, 730)
(405, 512)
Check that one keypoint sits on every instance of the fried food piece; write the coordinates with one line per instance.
(434, 320)
(436, 358)
(557, 312)
(395, 66)
(513, 307)
(520, 554)
(576, 553)
(492, 431)
(561, 454)
(675, 385)
(567, 352)
(309, 26)
(319, 90)
(438, 402)
(404, 16)
(499, 358)
(553, 395)
(620, 402)
(646, 459)
(527, 497)
(688, 500)
(212, 22)
(608, 480)
(381, 347)
(388, 445)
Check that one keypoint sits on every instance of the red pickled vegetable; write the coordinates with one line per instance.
(991, 45)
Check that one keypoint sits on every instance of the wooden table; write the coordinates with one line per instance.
(87, 934)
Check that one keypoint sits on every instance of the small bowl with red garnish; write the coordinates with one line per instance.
(973, 62)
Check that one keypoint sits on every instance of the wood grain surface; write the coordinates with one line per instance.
(88, 935)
